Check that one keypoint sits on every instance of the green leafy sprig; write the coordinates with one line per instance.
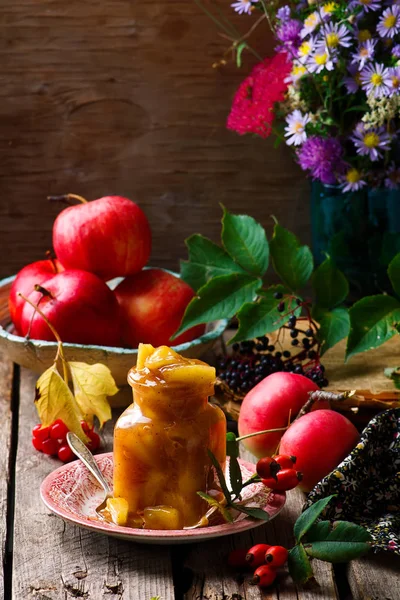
(230, 280)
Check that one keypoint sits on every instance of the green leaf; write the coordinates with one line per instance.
(220, 298)
(334, 326)
(246, 242)
(239, 50)
(221, 476)
(390, 247)
(255, 513)
(319, 531)
(232, 446)
(299, 565)
(259, 318)
(309, 516)
(372, 321)
(330, 285)
(235, 476)
(293, 263)
(394, 273)
(394, 374)
(344, 542)
(206, 260)
(213, 502)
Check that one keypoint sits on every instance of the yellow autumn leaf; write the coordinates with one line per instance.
(92, 384)
(54, 400)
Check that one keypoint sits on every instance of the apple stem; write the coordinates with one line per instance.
(51, 259)
(249, 435)
(42, 290)
(66, 198)
(60, 350)
(321, 395)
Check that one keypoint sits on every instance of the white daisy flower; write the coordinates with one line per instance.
(296, 128)
(305, 49)
(320, 60)
(310, 23)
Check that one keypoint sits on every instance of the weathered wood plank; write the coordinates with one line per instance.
(376, 577)
(213, 580)
(121, 97)
(56, 561)
(6, 374)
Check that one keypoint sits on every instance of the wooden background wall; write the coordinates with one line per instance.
(120, 97)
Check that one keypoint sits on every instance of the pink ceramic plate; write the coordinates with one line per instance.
(72, 493)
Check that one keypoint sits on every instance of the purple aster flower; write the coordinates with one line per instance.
(296, 128)
(335, 35)
(364, 53)
(283, 13)
(322, 157)
(396, 51)
(375, 80)
(394, 79)
(289, 34)
(367, 5)
(352, 82)
(370, 142)
(392, 179)
(389, 23)
(243, 6)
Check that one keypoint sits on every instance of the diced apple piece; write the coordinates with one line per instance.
(144, 351)
(191, 374)
(162, 357)
(118, 508)
(162, 517)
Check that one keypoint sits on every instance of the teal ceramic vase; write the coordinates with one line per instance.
(359, 230)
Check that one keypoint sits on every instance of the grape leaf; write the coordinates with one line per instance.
(394, 273)
(344, 542)
(206, 260)
(213, 502)
(299, 565)
(372, 323)
(293, 263)
(309, 516)
(54, 400)
(92, 384)
(334, 325)
(220, 298)
(246, 242)
(330, 285)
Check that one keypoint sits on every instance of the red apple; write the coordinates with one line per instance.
(81, 308)
(320, 440)
(25, 281)
(110, 237)
(152, 305)
(267, 406)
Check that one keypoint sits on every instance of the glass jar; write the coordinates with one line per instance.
(161, 441)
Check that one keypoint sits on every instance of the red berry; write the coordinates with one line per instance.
(50, 447)
(287, 479)
(237, 558)
(37, 444)
(264, 576)
(94, 440)
(65, 453)
(59, 430)
(256, 555)
(267, 467)
(276, 556)
(285, 461)
(40, 433)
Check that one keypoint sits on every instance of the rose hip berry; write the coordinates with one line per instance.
(267, 467)
(264, 576)
(285, 461)
(276, 556)
(237, 558)
(59, 430)
(287, 479)
(256, 555)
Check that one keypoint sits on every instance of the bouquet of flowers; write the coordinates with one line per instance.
(331, 91)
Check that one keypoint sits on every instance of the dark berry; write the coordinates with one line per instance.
(298, 301)
(312, 354)
(286, 354)
(298, 369)
(271, 348)
(292, 321)
(306, 343)
(309, 333)
(278, 354)
(281, 307)
(295, 342)
(324, 382)
(294, 333)
(278, 295)
(235, 347)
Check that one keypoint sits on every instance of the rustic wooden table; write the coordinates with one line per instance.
(47, 559)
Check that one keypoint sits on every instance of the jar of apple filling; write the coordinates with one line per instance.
(161, 441)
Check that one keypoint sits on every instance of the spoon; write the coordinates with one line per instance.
(82, 452)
